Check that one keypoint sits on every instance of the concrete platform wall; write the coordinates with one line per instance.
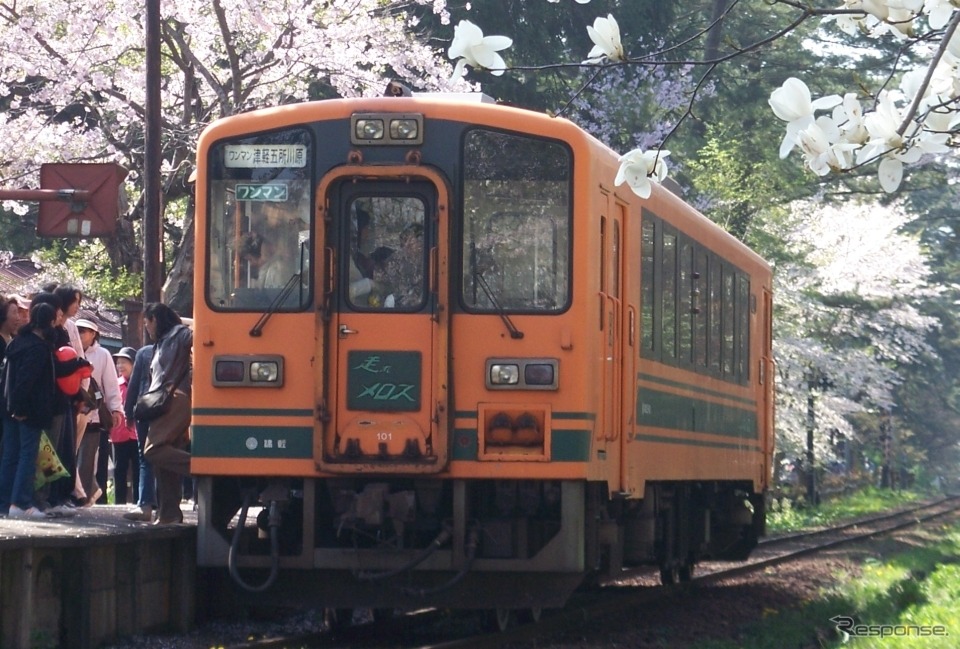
(81, 595)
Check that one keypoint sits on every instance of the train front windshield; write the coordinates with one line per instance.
(516, 230)
(260, 234)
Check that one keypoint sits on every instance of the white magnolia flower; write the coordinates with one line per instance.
(898, 148)
(791, 102)
(883, 124)
(848, 117)
(878, 17)
(824, 149)
(938, 12)
(636, 168)
(605, 34)
(471, 47)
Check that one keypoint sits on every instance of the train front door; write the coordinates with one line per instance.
(386, 333)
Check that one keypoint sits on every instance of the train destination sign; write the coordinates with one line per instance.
(263, 156)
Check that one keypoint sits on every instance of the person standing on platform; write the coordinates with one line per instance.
(169, 434)
(29, 392)
(58, 495)
(95, 445)
(9, 323)
(123, 436)
(68, 422)
(138, 384)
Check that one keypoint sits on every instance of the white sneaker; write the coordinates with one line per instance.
(32, 512)
(61, 511)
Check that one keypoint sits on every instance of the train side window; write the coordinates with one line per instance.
(701, 310)
(728, 320)
(517, 217)
(685, 307)
(743, 328)
(668, 327)
(715, 302)
(647, 303)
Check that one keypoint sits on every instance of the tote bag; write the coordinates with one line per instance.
(172, 428)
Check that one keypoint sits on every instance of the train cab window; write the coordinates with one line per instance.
(387, 253)
(259, 233)
(515, 248)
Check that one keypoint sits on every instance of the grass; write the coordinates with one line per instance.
(861, 503)
(901, 596)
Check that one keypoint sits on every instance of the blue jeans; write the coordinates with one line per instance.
(18, 465)
(148, 484)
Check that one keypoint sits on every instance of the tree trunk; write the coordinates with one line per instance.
(178, 287)
(711, 47)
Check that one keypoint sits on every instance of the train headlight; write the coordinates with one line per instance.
(540, 374)
(229, 371)
(248, 370)
(404, 129)
(523, 373)
(369, 129)
(264, 371)
(386, 129)
(504, 374)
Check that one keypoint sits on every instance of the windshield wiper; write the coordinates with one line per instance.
(285, 292)
(508, 323)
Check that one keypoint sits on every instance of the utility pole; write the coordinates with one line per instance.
(152, 271)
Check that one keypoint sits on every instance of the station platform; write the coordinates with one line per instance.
(84, 580)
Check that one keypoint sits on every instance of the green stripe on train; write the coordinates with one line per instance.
(660, 439)
(254, 412)
(749, 403)
(255, 442)
(665, 410)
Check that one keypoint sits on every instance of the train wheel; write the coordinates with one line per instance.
(669, 574)
(499, 619)
(337, 619)
(384, 614)
(529, 615)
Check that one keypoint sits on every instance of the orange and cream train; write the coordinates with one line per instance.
(441, 360)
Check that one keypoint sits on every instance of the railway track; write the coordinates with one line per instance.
(634, 588)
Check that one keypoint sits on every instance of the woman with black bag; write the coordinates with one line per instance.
(168, 433)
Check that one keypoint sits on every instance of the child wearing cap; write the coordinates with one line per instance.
(123, 436)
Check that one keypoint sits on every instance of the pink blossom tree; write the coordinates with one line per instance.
(73, 84)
